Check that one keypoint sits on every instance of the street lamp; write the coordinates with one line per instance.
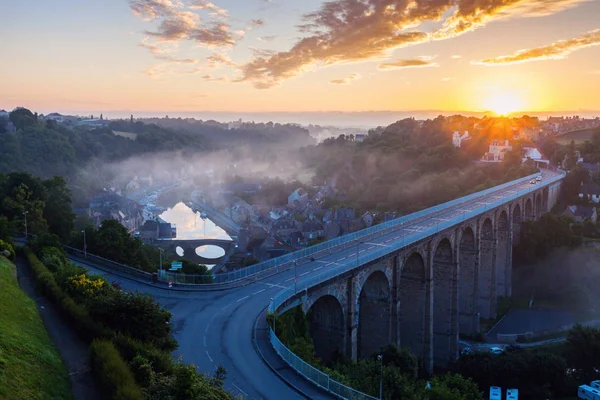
(160, 252)
(84, 244)
(25, 214)
(380, 358)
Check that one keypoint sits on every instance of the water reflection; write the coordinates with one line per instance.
(210, 252)
(190, 226)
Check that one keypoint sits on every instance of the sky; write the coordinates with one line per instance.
(178, 56)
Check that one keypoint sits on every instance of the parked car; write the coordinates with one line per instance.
(538, 178)
(496, 350)
(532, 182)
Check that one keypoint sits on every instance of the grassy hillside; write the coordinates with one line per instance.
(579, 136)
(30, 366)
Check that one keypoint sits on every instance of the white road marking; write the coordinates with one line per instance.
(378, 244)
(342, 259)
(291, 279)
(307, 272)
(328, 263)
(238, 388)
(260, 291)
(211, 360)
(204, 341)
(223, 309)
(272, 285)
(318, 268)
(243, 298)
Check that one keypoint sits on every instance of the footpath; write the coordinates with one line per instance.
(72, 349)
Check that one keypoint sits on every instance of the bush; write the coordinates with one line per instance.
(6, 249)
(112, 373)
(77, 314)
(130, 348)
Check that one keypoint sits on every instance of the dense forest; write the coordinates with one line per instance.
(407, 166)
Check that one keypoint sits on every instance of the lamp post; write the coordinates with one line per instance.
(380, 358)
(26, 235)
(160, 252)
(84, 245)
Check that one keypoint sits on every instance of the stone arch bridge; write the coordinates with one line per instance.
(189, 249)
(426, 293)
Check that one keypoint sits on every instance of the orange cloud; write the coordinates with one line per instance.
(356, 30)
(555, 51)
(419, 62)
(346, 80)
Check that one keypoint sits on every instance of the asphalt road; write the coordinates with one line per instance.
(215, 328)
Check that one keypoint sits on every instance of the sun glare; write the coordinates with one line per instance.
(504, 103)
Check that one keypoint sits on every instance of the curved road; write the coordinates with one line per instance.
(215, 328)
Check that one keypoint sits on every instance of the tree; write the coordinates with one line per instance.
(453, 386)
(23, 118)
(57, 210)
(583, 352)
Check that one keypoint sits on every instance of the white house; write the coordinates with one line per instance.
(457, 138)
(531, 153)
(497, 151)
(298, 198)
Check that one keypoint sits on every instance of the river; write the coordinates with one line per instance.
(191, 226)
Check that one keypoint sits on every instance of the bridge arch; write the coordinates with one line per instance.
(529, 209)
(374, 314)
(413, 303)
(467, 281)
(517, 221)
(445, 335)
(326, 326)
(502, 255)
(485, 280)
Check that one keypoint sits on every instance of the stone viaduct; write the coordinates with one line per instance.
(422, 296)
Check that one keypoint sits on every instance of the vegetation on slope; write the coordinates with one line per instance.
(30, 366)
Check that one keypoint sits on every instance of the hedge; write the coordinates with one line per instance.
(81, 320)
(111, 372)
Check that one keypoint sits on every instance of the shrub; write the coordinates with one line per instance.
(130, 348)
(77, 314)
(6, 249)
(112, 373)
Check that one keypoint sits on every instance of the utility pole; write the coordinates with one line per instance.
(26, 235)
(160, 251)
(84, 245)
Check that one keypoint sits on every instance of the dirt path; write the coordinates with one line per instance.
(72, 349)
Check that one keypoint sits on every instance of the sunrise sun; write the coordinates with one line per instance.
(504, 103)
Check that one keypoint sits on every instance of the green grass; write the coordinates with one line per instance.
(578, 136)
(30, 366)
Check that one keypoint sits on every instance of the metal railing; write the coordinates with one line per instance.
(285, 261)
(313, 374)
(83, 256)
(290, 295)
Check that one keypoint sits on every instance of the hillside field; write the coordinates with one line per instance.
(30, 366)
(579, 136)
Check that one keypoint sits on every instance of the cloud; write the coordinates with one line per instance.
(456, 57)
(215, 11)
(447, 79)
(217, 59)
(346, 80)
(176, 27)
(261, 52)
(209, 77)
(419, 62)
(472, 14)
(357, 30)
(555, 51)
(256, 23)
(266, 38)
(149, 10)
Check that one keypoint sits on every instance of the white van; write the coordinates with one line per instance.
(512, 394)
(495, 393)
(588, 393)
